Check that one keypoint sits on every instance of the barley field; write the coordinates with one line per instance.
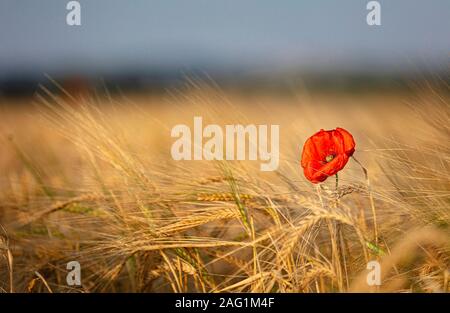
(90, 179)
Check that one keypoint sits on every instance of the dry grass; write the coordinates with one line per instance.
(92, 180)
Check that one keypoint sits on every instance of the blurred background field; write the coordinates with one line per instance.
(92, 180)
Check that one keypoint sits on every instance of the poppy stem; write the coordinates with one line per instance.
(337, 182)
(372, 203)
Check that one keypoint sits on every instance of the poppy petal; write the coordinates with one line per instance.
(348, 141)
(325, 153)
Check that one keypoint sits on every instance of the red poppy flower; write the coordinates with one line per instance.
(325, 153)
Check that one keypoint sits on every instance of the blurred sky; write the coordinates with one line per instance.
(118, 35)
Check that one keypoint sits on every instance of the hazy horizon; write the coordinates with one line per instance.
(117, 37)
